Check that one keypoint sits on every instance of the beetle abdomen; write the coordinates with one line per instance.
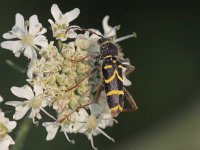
(113, 83)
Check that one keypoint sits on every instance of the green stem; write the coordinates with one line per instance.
(15, 66)
(21, 134)
(60, 45)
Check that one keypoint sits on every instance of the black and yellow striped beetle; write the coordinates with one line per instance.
(111, 69)
(112, 76)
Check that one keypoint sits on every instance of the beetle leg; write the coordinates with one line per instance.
(88, 76)
(91, 73)
(131, 100)
(85, 105)
(97, 57)
(127, 110)
(80, 60)
(98, 94)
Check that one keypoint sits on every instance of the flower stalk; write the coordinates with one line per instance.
(22, 134)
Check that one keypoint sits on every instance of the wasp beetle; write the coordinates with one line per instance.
(112, 76)
(111, 69)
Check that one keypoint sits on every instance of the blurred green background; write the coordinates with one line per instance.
(166, 83)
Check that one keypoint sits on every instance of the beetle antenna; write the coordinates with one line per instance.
(94, 33)
(79, 28)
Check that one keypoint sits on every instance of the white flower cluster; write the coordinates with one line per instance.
(58, 76)
(6, 126)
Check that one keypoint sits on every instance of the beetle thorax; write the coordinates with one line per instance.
(108, 48)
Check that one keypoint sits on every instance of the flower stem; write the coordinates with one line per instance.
(21, 134)
(16, 67)
(60, 45)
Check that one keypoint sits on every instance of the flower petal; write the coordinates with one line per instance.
(2, 116)
(71, 34)
(8, 35)
(34, 25)
(51, 22)
(82, 114)
(23, 92)
(6, 142)
(71, 15)
(17, 54)
(29, 52)
(34, 113)
(38, 90)
(1, 98)
(105, 120)
(19, 22)
(126, 82)
(55, 11)
(42, 31)
(30, 66)
(15, 46)
(20, 112)
(108, 30)
(14, 103)
(41, 41)
(52, 128)
(11, 125)
(101, 106)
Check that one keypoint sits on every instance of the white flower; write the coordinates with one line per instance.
(111, 31)
(6, 126)
(35, 102)
(108, 30)
(76, 121)
(82, 41)
(94, 125)
(69, 126)
(72, 125)
(25, 37)
(52, 129)
(99, 119)
(62, 21)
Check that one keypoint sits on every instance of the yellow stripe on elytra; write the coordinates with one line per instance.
(118, 107)
(108, 56)
(107, 67)
(113, 76)
(118, 92)
(120, 66)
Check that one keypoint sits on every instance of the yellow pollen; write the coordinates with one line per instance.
(28, 39)
(60, 35)
(3, 130)
(92, 122)
(36, 103)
